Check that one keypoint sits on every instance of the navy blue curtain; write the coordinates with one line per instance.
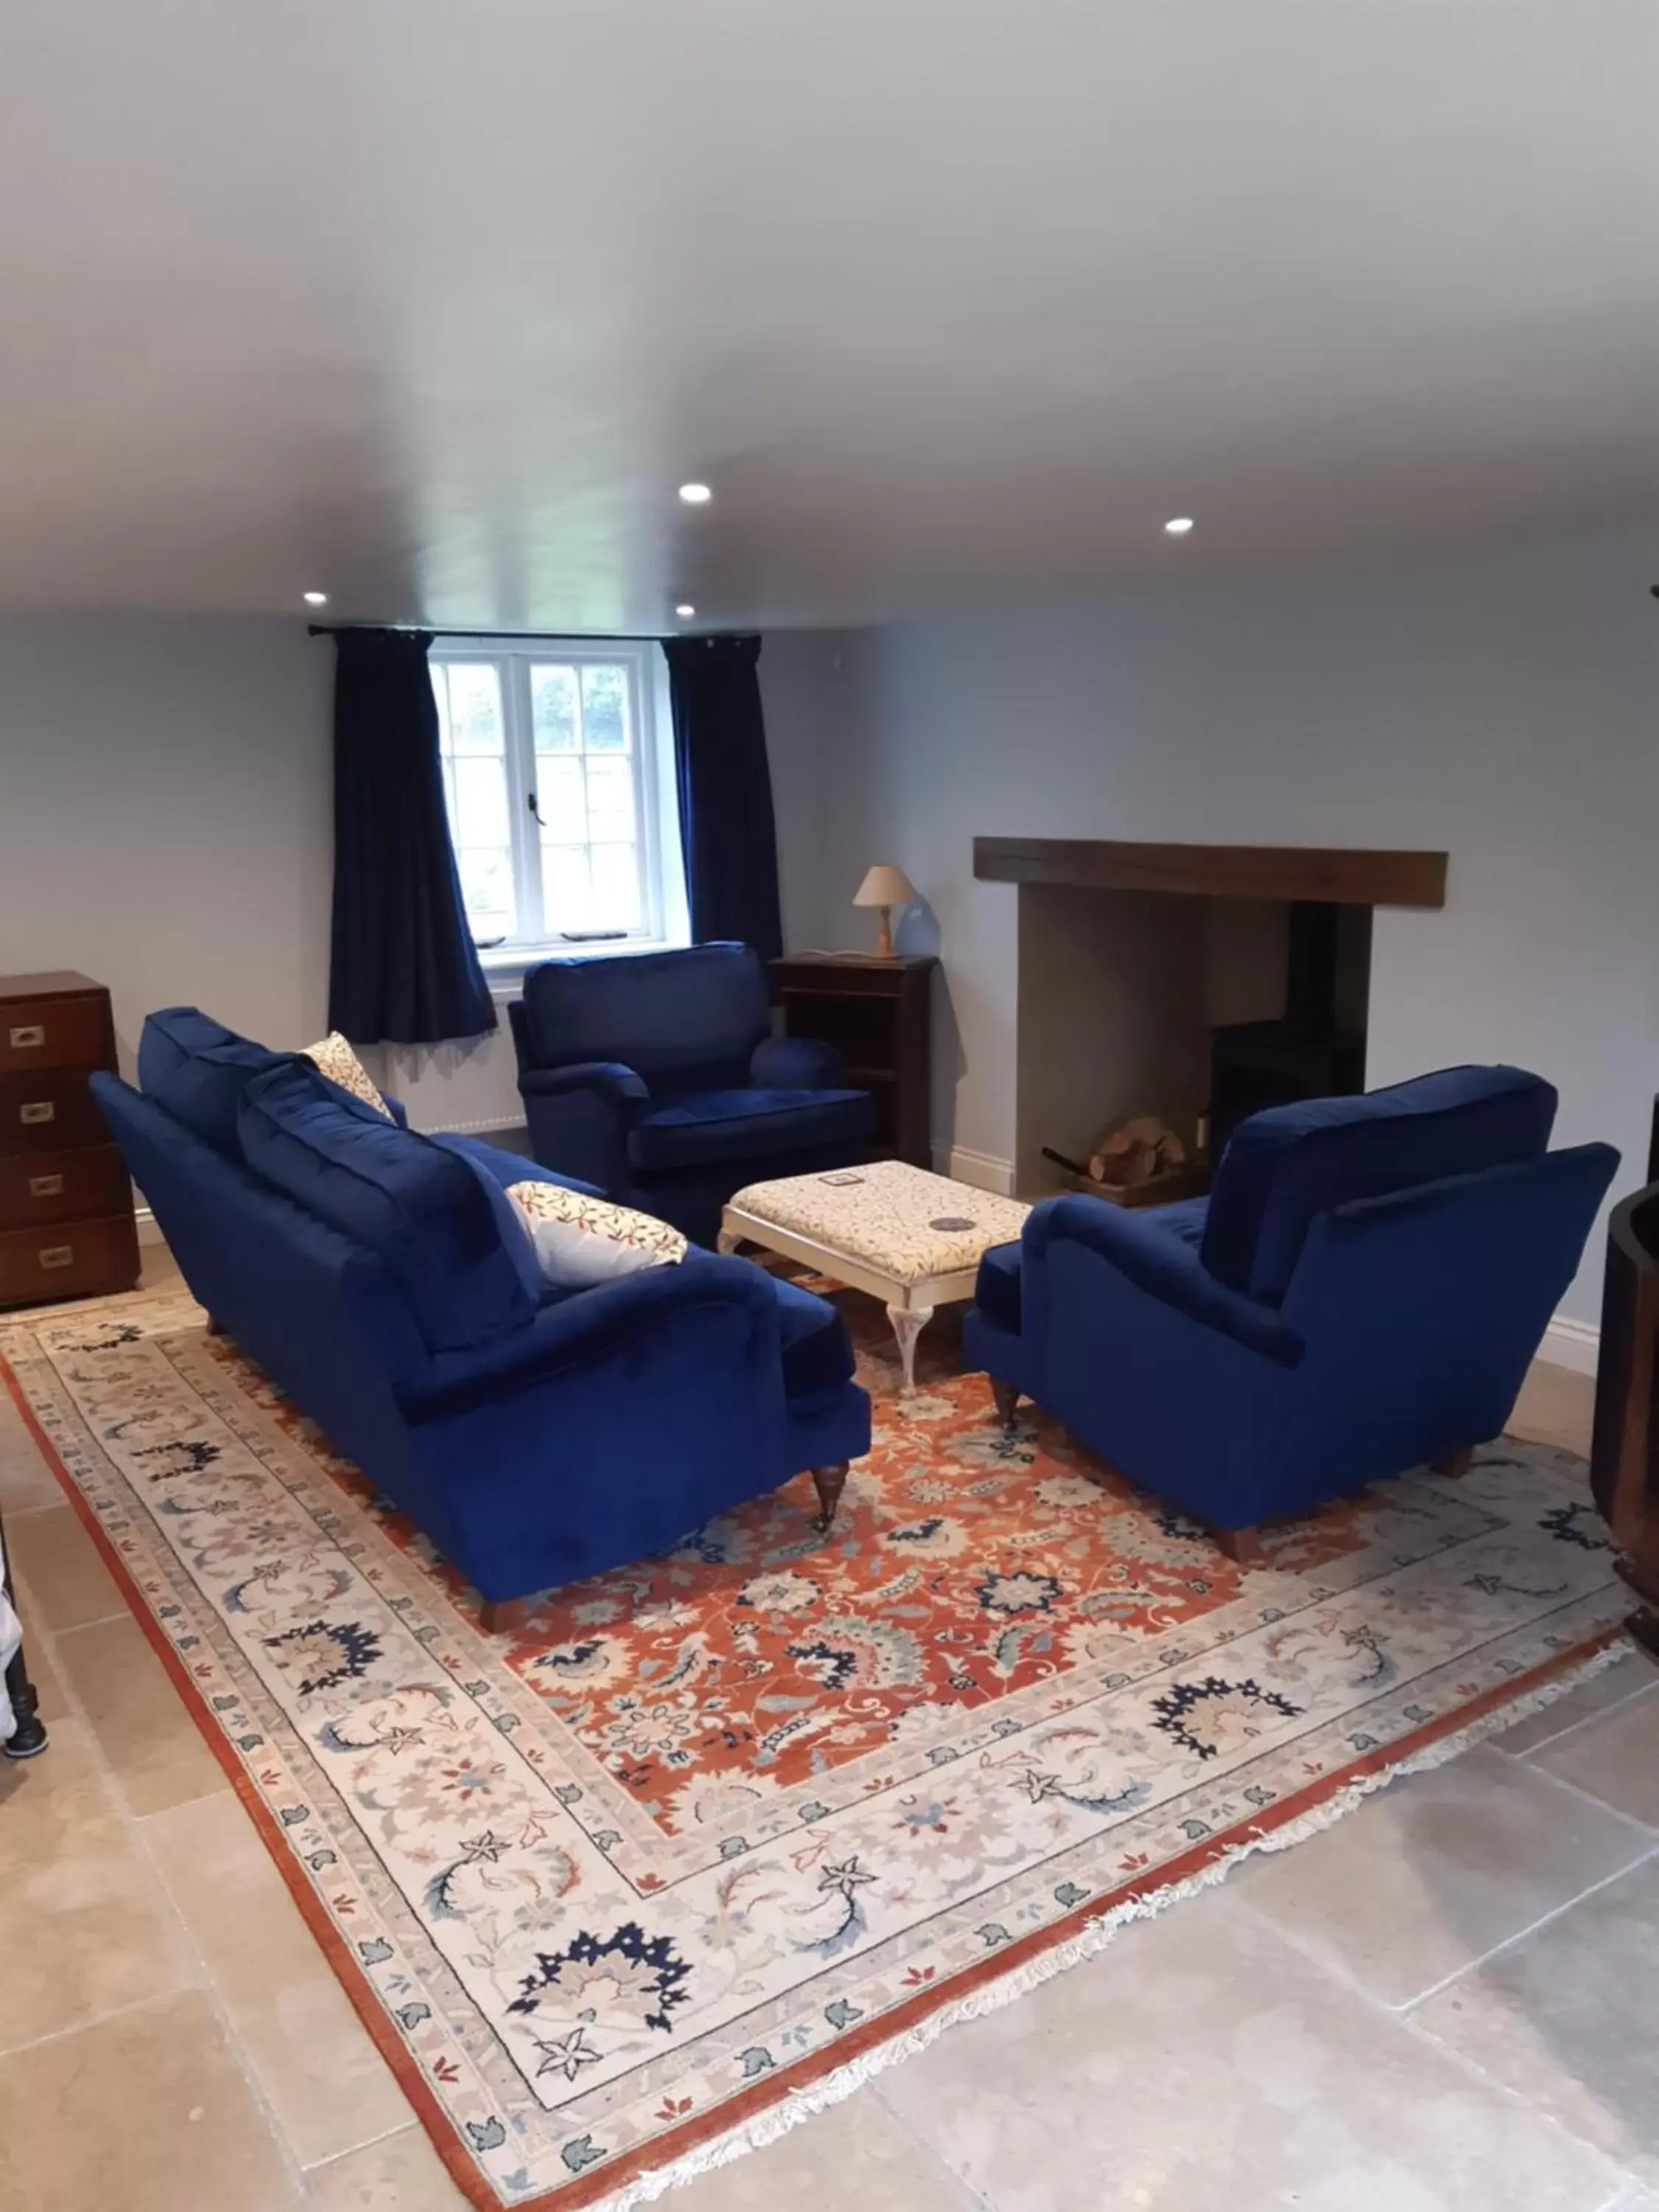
(402, 966)
(726, 825)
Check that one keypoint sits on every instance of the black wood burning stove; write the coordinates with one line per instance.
(1308, 1053)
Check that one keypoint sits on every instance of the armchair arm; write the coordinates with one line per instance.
(622, 1091)
(1162, 1267)
(795, 1064)
(580, 1118)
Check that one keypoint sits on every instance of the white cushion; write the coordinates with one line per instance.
(581, 1241)
(333, 1056)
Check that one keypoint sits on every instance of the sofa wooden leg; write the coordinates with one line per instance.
(215, 1327)
(501, 1616)
(1241, 1546)
(1005, 1399)
(829, 1482)
(1453, 1463)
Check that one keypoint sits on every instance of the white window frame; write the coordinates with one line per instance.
(665, 920)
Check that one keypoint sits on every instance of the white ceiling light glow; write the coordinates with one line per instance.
(1179, 526)
(685, 610)
(316, 599)
(696, 495)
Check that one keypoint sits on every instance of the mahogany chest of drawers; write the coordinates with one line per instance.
(66, 1221)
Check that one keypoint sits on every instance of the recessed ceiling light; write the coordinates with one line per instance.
(316, 599)
(696, 495)
(685, 610)
(1179, 527)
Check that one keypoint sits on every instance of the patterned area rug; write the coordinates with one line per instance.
(717, 1832)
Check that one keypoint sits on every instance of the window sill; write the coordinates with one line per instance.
(504, 968)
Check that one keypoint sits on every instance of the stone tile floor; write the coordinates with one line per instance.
(1448, 2003)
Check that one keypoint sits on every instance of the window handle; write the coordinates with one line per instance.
(530, 801)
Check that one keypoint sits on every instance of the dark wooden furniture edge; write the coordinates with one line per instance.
(1333, 875)
(1625, 1443)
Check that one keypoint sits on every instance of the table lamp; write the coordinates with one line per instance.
(885, 887)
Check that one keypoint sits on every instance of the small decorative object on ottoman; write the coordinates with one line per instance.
(912, 1239)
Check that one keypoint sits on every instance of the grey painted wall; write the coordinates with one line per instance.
(1505, 707)
(166, 813)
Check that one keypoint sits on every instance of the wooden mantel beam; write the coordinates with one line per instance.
(1337, 875)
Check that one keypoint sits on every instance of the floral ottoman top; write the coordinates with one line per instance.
(899, 1220)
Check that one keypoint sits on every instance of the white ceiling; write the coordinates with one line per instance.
(434, 304)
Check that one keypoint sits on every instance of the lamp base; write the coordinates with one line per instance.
(884, 940)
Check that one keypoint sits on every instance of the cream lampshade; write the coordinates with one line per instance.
(885, 887)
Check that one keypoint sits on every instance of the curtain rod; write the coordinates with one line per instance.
(579, 637)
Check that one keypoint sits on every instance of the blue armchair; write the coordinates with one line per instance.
(1361, 1293)
(655, 1076)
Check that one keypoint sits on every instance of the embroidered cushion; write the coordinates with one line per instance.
(337, 1059)
(581, 1241)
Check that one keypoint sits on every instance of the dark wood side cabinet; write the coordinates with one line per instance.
(67, 1228)
(879, 1015)
(1625, 1446)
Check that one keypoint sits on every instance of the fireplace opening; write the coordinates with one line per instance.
(1317, 1047)
(1143, 1012)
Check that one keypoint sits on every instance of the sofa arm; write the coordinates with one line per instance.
(1161, 1267)
(795, 1064)
(620, 1323)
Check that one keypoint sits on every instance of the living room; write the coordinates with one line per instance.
(1122, 496)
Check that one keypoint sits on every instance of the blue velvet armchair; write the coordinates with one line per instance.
(1360, 1294)
(655, 1077)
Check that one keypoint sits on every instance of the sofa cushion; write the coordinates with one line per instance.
(748, 1124)
(1284, 1167)
(197, 1070)
(676, 1019)
(817, 1352)
(419, 1206)
(997, 1287)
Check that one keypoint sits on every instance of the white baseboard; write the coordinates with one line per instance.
(149, 1229)
(982, 1169)
(1569, 1343)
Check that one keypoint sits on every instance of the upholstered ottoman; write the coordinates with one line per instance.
(912, 1239)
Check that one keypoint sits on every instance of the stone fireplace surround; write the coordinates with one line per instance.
(1131, 955)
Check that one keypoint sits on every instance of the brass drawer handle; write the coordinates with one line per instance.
(42, 1109)
(58, 1255)
(32, 1033)
(46, 1186)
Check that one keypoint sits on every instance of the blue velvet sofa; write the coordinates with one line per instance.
(1361, 1293)
(655, 1077)
(535, 1435)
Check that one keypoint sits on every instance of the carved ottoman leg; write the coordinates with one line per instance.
(1006, 1398)
(829, 1482)
(728, 1240)
(908, 1322)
